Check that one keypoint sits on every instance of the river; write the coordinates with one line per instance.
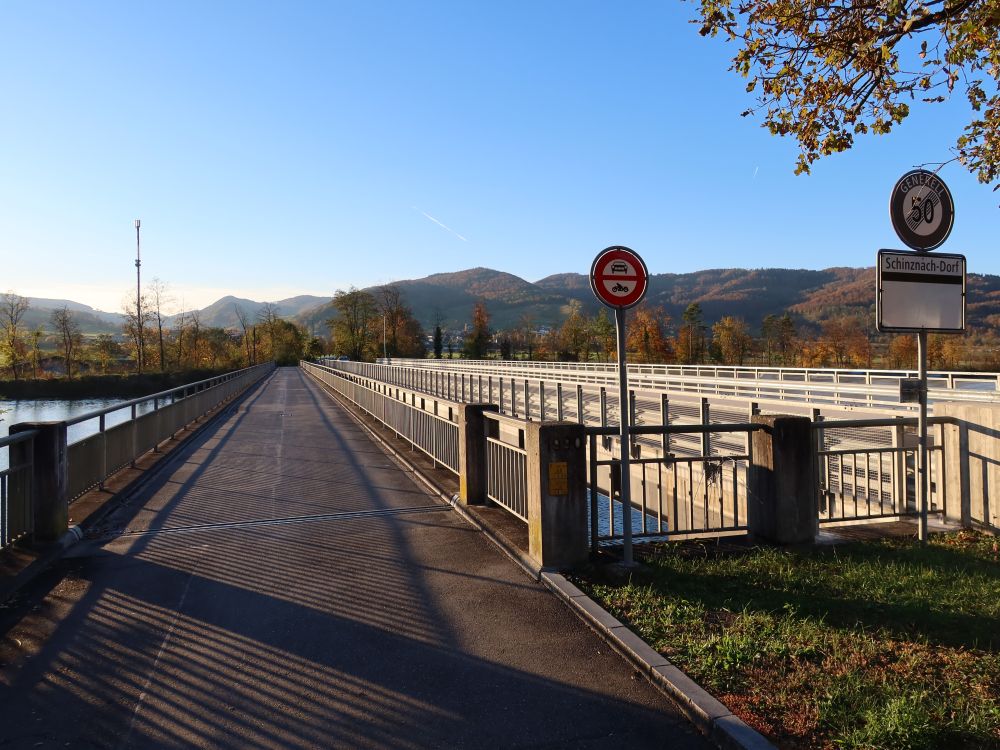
(54, 410)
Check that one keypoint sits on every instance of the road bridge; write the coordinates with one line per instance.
(281, 581)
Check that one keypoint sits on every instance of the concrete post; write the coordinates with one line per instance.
(781, 502)
(472, 431)
(49, 477)
(558, 536)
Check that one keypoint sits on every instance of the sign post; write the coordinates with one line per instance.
(919, 292)
(619, 279)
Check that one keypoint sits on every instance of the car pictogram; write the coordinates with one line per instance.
(619, 268)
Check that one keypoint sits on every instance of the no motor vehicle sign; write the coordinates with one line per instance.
(918, 291)
(619, 277)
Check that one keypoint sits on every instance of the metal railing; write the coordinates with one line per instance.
(673, 495)
(92, 459)
(867, 469)
(427, 424)
(506, 464)
(16, 517)
(840, 388)
(691, 456)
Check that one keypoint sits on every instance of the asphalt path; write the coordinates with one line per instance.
(284, 583)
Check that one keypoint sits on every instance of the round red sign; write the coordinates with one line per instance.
(619, 277)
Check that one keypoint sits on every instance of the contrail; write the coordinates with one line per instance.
(442, 225)
(755, 173)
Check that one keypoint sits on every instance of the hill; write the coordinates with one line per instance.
(810, 296)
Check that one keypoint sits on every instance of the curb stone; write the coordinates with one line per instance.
(710, 716)
(707, 713)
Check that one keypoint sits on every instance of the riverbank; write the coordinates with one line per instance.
(103, 386)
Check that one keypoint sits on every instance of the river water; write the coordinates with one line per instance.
(57, 410)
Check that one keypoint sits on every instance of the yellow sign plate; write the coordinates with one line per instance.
(558, 478)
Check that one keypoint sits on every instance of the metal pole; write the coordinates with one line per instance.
(922, 436)
(384, 355)
(138, 302)
(624, 494)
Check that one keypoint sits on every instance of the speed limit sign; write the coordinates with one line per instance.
(922, 210)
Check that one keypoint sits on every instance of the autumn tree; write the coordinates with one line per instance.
(404, 337)
(826, 72)
(778, 339)
(645, 335)
(478, 339)
(525, 336)
(105, 350)
(351, 328)
(691, 336)
(573, 334)
(602, 333)
(901, 353)
(732, 339)
(70, 338)
(846, 342)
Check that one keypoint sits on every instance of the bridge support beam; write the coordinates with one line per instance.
(49, 477)
(472, 452)
(558, 534)
(781, 497)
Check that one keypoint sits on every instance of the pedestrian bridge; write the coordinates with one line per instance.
(290, 574)
(280, 580)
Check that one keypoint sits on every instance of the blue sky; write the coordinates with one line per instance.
(274, 149)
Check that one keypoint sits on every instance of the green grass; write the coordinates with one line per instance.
(869, 645)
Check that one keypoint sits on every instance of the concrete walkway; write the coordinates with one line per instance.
(282, 583)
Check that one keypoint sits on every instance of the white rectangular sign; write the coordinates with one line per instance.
(920, 291)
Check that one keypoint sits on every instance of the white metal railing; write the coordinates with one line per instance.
(844, 388)
(427, 424)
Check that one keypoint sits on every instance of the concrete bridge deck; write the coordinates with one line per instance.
(282, 582)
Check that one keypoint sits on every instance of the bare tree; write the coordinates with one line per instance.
(159, 298)
(269, 317)
(137, 318)
(69, 334)
(12, 309)
(249, 335)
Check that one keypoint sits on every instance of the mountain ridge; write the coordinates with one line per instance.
(811, 296)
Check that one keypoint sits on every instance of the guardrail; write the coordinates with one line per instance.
(427, 424)
(88, 462)
(506, 466)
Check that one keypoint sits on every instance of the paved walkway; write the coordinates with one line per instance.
(283, 583)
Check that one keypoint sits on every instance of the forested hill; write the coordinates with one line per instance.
(751, 294)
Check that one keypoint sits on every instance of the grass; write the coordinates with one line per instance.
(875, 645)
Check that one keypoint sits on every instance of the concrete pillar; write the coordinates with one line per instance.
(558, 536)
(472, 432)
(781, 491)
(49, 476)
